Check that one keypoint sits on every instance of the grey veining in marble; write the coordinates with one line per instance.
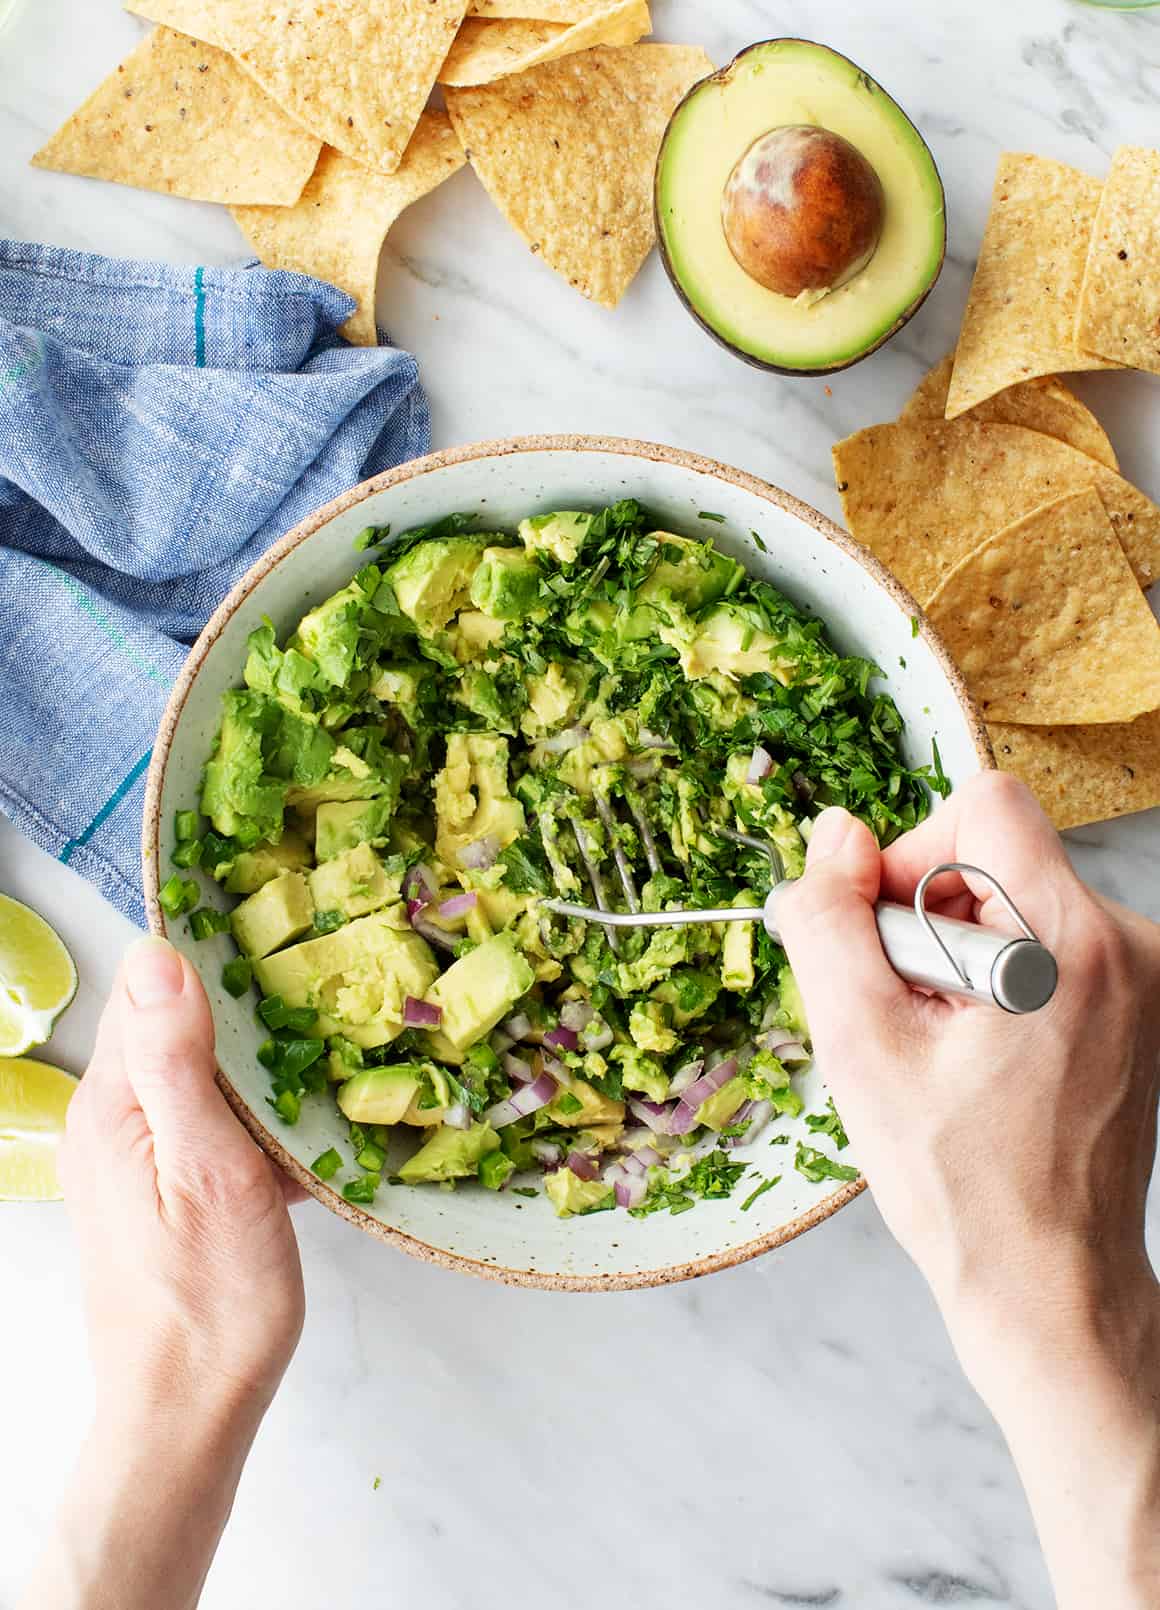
(792, 1433)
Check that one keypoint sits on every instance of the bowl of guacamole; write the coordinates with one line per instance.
(507, 674)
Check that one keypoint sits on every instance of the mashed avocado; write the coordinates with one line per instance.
(498, 716)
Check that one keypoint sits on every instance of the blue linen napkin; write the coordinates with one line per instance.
(159, 428)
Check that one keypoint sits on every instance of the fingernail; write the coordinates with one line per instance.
(153, 972)
(829, 834)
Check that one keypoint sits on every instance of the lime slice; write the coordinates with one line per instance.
(34, 1098)
(37, 978)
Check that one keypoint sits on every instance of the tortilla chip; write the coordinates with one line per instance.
(207, 20)
(1119, 305)
(567, 152)
(484, 50)
(1020, 317)
(1085, 774)
(1045, 405)
(181, 117)
(337, 229)
(921, 495)
(1047, 624)
(356, 73)
(541, 10)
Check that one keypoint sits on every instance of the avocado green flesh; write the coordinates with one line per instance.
(474, 727)
(792, 81)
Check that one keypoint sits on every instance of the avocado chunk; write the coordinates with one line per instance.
(450, 1154)
(237, 793)
(278, 913)
(570, 1194)
(472, 800)
(507, 583)
(728, 643)
(693, 573)
(737, 969)
(649, 1026)
(353, 882)
(580, 1105)
(791, 1008)
(474, 636)
(357, 978)
(433, 581)
(800, 215)
(328, 635)
(640, 1071)
(344, 824)
(717, 1110)
(479, 989)
(559, 535)
(399, 682)
(250, 869)
(378, 1095)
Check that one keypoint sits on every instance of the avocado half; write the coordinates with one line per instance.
(773, 85)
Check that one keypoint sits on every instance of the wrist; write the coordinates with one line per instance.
(1061, 1313)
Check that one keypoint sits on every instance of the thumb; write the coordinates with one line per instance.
(826, 921)
(167, 1051)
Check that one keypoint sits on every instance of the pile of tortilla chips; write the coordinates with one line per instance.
(310, 121)
(996, 497)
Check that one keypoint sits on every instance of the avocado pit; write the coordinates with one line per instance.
(802, 210)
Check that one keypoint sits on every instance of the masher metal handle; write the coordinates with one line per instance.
(956, 958)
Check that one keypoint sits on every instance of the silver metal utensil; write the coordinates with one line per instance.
(938, 953)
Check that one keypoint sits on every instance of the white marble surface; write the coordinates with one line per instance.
(795, 1432)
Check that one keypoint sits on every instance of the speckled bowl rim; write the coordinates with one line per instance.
(652, 452)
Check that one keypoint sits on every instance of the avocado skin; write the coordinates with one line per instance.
(754, 362)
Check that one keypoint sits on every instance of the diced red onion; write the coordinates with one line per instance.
(516, 1068)
(553, 1066)
(480, 854)
(457, 1117)
(571, 738)
(419, 885)
(632, 1165)
(653, 1114)
(759, 1115)
(522, 1102)
(582, 1166)
(784, 1048)
(760, 765)
(683, 1118)
(458, 906)
(546, 1152)
(519, 1026)
(576, 1015)
(634, 1136)
(630, 1193)
(598, 1036)
(564, 1038)
(649, 1156)
(708, 1085)
(501, 1042)
(684, 1077)
(614, 1173)
(653, 740)
(419, 1014)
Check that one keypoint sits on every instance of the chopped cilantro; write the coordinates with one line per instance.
(914, 626)
(759, 541)
(816, 1166)
(766, 1185)
(828, 1123)
(705, 515)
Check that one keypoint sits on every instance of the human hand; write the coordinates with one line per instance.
(193, 1284)
(193, 1290)
(978, 1130)
(1011, 1156)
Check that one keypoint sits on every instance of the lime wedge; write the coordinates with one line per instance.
(34, 1098)
(37, 978)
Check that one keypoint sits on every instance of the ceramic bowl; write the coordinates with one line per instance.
(818, 566)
